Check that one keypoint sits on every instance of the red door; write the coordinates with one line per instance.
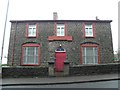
(59, 61)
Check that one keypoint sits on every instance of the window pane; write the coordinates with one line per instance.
(89, 51)
(96, 55)
(89, 55)
(58, 32)
(84, 55)
(34, 32)
(96, 51)
(25, 55)
(89, 60)
(58, 28)
(86, 31)
(83, 51)
(96, 59)
(90, 32)
(62, 32)
(62, 28)
(24, 60)
(36, 55)
(30, 60)
(30, 31)
(83, 59)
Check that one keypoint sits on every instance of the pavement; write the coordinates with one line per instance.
(58, 80)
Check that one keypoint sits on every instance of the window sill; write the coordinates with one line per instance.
(61, 38)
(31, 37)
(89, 36)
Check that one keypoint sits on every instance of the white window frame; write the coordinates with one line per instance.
(60, 30)
(94, 56)
(32, 30)
(89, 30)
(26, 55)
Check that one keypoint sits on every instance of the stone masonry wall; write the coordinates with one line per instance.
(17, 72)
(47, 48)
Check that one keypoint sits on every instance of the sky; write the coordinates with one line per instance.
(66, 9)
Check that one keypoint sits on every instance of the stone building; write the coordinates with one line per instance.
(79, 42)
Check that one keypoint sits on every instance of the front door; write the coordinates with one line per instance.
(60, 57)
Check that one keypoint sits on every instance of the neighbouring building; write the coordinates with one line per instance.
(79, 42)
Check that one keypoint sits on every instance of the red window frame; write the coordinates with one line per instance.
(89, 45)
(55, 37)
(30, 45)
(27, 28)
(93, 29)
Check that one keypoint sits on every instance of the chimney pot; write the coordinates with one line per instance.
(97, 18)
(55, 16)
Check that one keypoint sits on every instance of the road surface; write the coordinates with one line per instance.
(101, 84)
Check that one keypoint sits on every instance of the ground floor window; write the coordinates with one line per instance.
(30, 54)
(90, 54)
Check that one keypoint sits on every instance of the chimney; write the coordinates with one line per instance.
(97, 18)
(55, 16)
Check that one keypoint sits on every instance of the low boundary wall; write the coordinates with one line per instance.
(16, 72)
(95, 69)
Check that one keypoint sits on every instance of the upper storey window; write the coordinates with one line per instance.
(31, 30)
(88, 30)
(60, 30)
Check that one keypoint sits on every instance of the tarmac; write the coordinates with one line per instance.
(58, 80)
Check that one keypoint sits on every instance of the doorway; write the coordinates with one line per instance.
(60, 57)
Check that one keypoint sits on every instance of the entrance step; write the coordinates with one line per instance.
(59, 74)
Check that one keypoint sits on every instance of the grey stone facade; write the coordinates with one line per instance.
(103, 37)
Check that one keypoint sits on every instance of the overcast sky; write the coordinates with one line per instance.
(66, 9)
